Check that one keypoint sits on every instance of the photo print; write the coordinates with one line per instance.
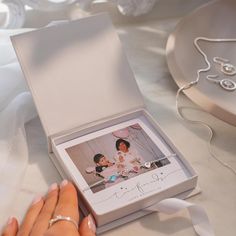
(116, 156)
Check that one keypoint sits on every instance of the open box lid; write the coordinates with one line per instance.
(77, 73)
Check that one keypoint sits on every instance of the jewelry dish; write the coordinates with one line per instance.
(214, 89)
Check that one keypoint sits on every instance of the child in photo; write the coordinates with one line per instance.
(106, 170)
(127, 158)
(101, 162)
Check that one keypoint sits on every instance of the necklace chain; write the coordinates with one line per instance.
(195, 82)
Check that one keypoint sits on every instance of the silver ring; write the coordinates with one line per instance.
(60, 217)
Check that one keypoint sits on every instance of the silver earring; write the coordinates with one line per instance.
(225, 67)
(226, 84)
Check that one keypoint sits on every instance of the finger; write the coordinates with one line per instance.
(31, 216)
(11, 227)
(42, 221)
(87, 227)
(67, 205)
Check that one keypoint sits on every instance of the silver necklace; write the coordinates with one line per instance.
(225, 67)
(193, 83)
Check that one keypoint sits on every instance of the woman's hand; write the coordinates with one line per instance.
(59, 201)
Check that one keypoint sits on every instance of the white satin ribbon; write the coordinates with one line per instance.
(198, 215)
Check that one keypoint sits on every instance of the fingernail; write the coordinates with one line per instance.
(64, 183)
(52, 187)
(36, 199)
(91, 224)
(10, 220)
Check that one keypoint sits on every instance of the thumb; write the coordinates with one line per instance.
(11, 228)
(87, 226)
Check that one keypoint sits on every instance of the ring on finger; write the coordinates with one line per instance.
(61, 218)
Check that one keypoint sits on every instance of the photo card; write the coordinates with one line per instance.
(116, 156)
(122, 163)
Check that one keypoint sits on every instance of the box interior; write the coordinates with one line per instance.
(104, 218)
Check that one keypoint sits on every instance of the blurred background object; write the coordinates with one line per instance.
(13, 12)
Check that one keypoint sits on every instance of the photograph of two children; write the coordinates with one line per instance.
(115, 157)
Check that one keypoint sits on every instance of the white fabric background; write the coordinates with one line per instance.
(16, 108)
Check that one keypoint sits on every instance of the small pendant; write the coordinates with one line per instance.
(228, 84)
(147, 164)
(228, 69)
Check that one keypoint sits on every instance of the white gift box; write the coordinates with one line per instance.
(84, 89)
